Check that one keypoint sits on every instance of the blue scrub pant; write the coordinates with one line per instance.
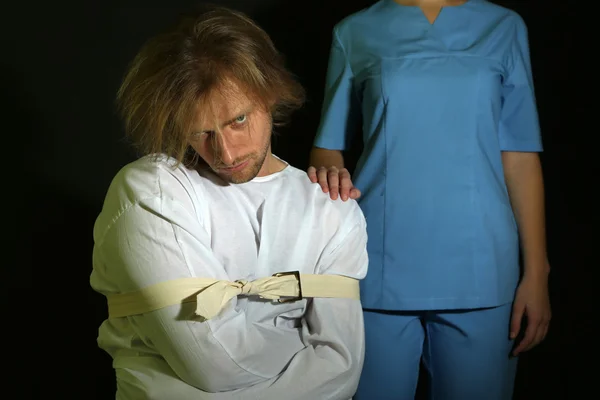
(466, 353)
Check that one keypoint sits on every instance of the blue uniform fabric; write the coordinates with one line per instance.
(436, 105)
(466, 354)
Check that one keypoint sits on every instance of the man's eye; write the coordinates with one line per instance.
(241, 119)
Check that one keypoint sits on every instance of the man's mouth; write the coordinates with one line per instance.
(236, 167)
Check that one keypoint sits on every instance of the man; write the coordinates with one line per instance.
(193, 236)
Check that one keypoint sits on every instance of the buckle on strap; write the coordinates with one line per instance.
(296, 274)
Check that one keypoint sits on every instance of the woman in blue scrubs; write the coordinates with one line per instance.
(451, 185)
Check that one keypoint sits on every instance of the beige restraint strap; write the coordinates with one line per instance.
(212, 295)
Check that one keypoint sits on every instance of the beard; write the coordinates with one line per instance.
(255, 162)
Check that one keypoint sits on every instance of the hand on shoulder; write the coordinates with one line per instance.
(336, 182)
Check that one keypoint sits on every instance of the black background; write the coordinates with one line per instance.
(61, 66)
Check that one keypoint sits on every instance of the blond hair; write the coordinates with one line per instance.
(176, 71)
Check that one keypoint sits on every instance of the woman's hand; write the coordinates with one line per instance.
(336, 182)
(532, 302)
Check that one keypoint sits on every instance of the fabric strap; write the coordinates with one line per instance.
(212, 295)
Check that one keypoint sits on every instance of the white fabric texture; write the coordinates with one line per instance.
(162, 222)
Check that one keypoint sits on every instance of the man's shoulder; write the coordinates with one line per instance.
(151, 177)
(154, 181)
(148, 176)
(334, 211)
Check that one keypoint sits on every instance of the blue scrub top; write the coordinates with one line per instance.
(437, 104)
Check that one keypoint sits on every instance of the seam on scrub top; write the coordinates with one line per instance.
(475, 298)
(420, 57)
(385, 110)
(349, 65)
(474, 196)
(521, 145)
(337, 39)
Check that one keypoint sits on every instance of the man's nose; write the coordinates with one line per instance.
(225, 148)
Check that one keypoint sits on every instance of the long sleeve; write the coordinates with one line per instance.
(160, 237)
(334, 327)
(340, 112)
(519, 123)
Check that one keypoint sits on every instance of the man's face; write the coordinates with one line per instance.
(236, 149)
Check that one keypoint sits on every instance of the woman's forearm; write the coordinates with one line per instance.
(523, 174)
(326, 158)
